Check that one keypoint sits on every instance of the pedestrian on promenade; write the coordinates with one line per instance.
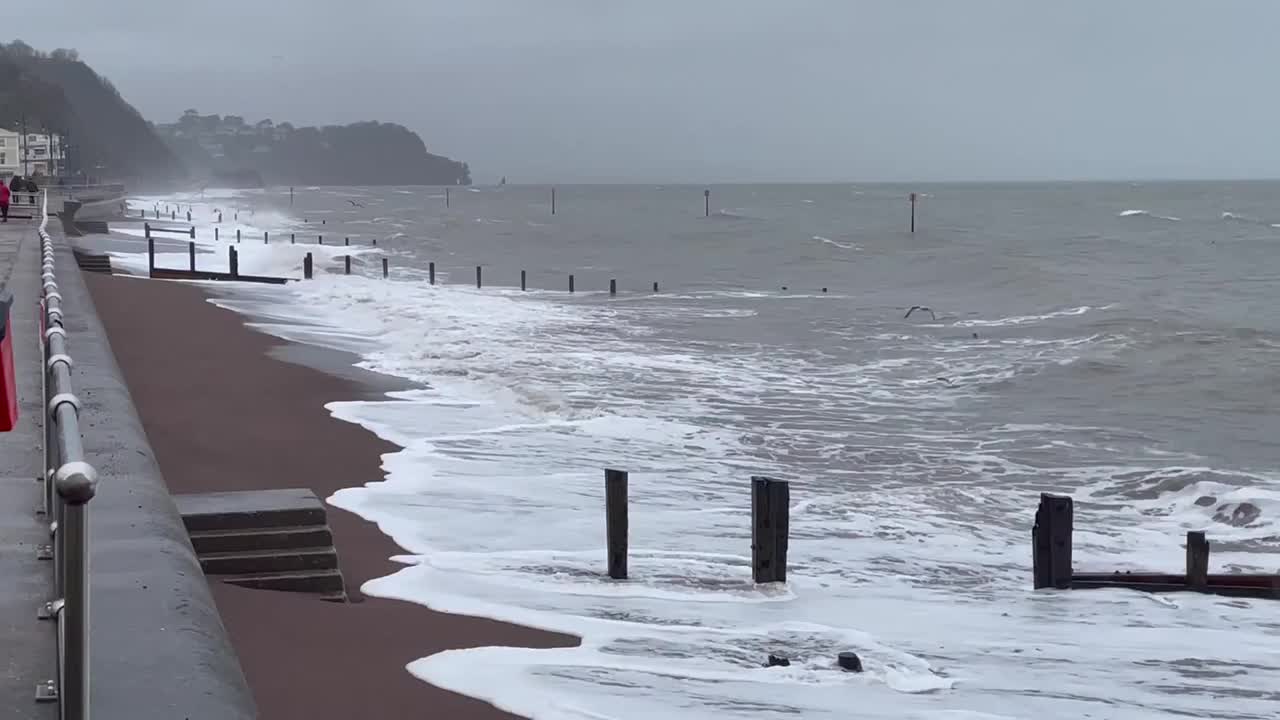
(4, 202)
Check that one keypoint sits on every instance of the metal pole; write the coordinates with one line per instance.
(74, 692)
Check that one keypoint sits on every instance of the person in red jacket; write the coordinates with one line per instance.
(4, 202)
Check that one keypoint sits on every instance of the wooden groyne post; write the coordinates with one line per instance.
(477, 277)
(293, 238)
(446, 197)
(319, 239)
(191, 255)
(215, 235)
(615, 521)
(706, 203)
(913, 212)
(431, 273)
(1051, 542)
(570, 283)
(655, 286)
(151, 254)
(234, 258)
(1197, 561)
(306, 267)
(385, 272)
(613, 286)
(522, 278)
(770, 527)
(553, 201)
(265, 237)
(346, 264)
(346, 241)
(237, 234)
(192, 232)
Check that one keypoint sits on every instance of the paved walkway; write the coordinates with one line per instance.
(25, 582)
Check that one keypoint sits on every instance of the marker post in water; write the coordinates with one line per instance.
(553, 201)
(770, 527)
(706, 203)
(913, 212)
(615, 521)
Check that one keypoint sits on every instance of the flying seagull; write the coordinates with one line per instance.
(354, 203)
(921, 308)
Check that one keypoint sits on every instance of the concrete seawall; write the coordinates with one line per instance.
(158, 648)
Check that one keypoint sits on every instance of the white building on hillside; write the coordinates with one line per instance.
(42, 154)
(10, 161)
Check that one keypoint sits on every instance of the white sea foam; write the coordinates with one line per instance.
(1145, 213)
(909, 546)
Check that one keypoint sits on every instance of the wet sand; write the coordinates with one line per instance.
(229, 408)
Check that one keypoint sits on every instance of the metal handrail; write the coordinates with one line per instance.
(70, 483)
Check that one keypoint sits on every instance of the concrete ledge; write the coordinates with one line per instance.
(158, 647)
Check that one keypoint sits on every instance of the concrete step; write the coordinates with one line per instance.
(278, 538)
(325, 582)
(250, 509)
(93, 263)
(268, 561)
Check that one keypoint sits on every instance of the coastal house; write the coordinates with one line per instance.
(10, 164)
(40, 154)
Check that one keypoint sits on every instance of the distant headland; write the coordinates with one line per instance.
(229, 149)
(103, 136)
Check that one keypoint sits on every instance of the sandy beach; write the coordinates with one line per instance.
(224, 412)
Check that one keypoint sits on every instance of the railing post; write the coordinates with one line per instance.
(770, 526)
(615, 521)
(74, 688)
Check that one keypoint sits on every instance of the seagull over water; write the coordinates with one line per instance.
(921, 308)
(354, 203)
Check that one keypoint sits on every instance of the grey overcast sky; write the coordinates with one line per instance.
(722, 90)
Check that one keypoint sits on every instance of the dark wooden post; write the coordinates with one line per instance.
(375, 242)
(188, 216)
(173, 214)
(237, 234)
(192, 231)
(570, 283)
(706, 203)
(215, 235)
(385, 272)
(1051, 542)
(235, 262)
(306, 267)
(191, 255)
(265, 238)
(553, 201)
(913, 212)
(293, 238)
(320, 239)
(157, 213)
(142, 213)
(770, 526)
(346, 241)
(615, 521)
(219, 217)
(151, 255)
(346, 264)
(655, 286)
(522, 278)
(446, 197)
(613, 287)
(146, 230)
(431, 273)
(1197, 561)
(477, 276)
